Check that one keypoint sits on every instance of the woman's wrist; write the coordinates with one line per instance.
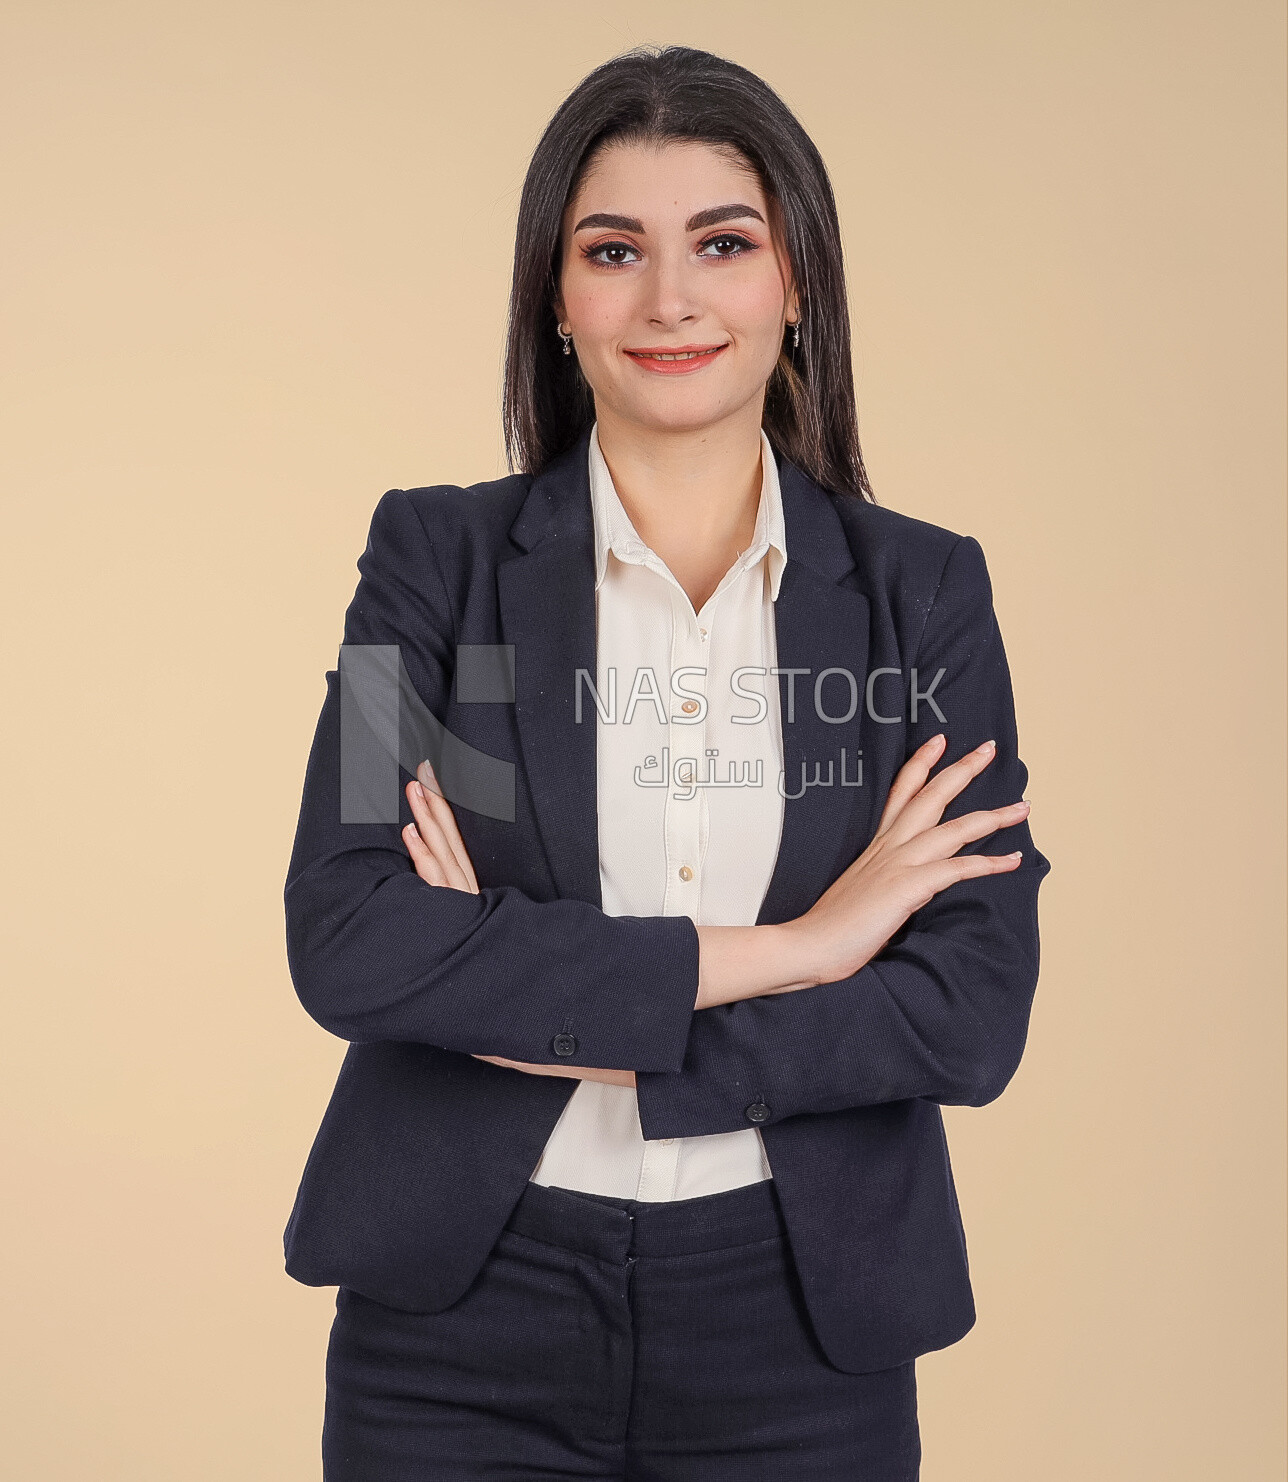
(736, 962)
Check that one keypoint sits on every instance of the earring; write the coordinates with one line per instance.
(796, 335)
(566, 338)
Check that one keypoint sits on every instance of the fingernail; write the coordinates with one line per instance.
(420, 791)
(987, 746)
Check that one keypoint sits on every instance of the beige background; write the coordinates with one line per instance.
(255, 271)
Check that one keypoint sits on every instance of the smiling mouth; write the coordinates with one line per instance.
(673, 354)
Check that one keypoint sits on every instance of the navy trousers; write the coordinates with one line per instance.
(614, 1339)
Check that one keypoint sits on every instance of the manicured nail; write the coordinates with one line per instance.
(987, 746)
(420, 792)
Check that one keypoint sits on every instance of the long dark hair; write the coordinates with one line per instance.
(647, 95)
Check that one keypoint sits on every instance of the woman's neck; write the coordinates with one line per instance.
(693, 496)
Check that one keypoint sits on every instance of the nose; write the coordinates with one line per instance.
(670, 301)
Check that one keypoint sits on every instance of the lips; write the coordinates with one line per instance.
(676, 359)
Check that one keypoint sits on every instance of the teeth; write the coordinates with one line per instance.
(687, 355)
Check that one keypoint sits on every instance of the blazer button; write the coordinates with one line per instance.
(757, 1112)
(563, 1044)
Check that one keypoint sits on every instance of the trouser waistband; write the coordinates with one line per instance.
(612, 1229)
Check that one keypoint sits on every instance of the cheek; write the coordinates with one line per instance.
(599, 306)
(752, 304)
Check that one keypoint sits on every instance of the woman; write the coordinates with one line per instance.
(635, 1166)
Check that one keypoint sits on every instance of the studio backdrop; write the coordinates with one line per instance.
(255, 268)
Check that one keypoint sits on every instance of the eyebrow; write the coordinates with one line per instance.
(710, 217)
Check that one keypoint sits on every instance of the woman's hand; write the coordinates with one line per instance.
(440, 857)
(910, 859)
(433, 840)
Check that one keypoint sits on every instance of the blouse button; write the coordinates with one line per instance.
(689, 706)
(686, 873)
(667, 1141)
(686, 774)
(703, 631)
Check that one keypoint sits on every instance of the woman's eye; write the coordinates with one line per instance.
(726, 241)
(621, 254)
(593, 253)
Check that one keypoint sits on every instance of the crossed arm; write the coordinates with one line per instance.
(851, 923)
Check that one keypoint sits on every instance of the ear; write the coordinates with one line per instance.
(792, 311)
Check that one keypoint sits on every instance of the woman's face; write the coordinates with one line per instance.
(669, 249)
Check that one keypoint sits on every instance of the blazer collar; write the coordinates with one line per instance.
(547, 608)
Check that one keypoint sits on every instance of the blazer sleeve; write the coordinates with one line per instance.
(942, 1011)
(377, 953)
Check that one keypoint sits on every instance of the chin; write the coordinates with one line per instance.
(680, 410)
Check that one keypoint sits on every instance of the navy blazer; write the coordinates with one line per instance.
(423, 1150)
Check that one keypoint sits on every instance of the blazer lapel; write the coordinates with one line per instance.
(547, 610)
(819, 625)
(547, 603)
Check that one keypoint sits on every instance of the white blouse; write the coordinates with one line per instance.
(678, 719)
